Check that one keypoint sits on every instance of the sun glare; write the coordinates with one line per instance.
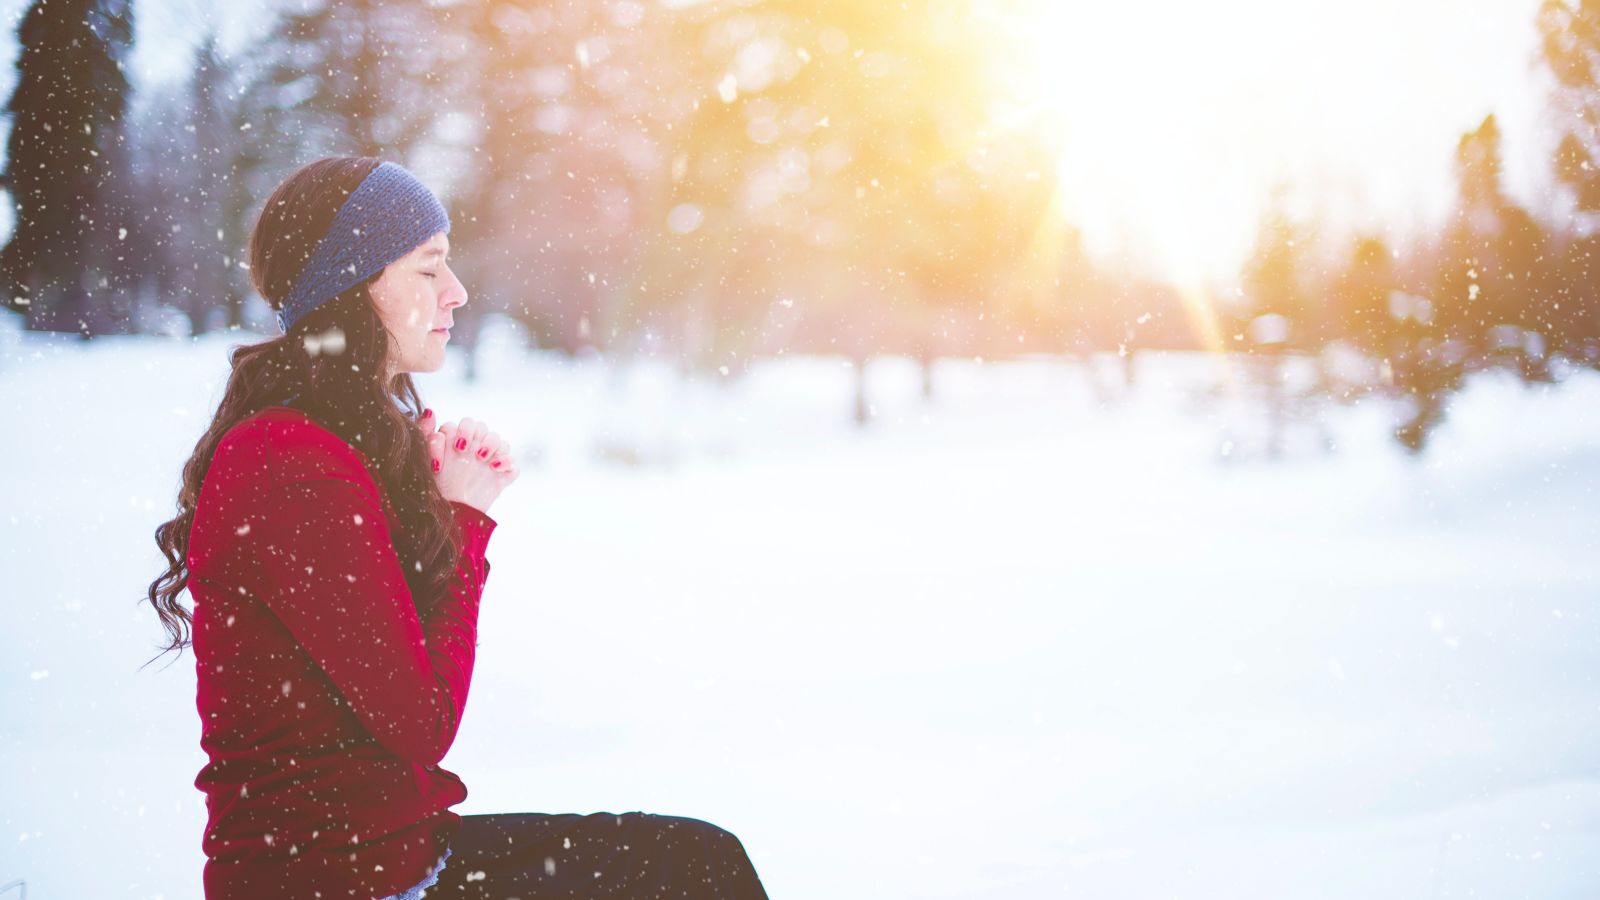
(1176, 118)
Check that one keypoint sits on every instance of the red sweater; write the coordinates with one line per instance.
(325, 701)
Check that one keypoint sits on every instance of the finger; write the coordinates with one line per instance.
(501, 453)
(488, 446)
(436, 449)
(507, 464)
(448, 432)
(458, 438)
(428, 422)
(501, 459)
(475, 436)
(464, 440)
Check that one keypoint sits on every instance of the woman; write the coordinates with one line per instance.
(333, 542)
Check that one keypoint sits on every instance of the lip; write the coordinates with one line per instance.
(443, 331)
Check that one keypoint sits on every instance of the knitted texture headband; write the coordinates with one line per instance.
(387, 216)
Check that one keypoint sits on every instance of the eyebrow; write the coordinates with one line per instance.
(432, 253)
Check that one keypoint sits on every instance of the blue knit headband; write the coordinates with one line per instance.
(383, 219)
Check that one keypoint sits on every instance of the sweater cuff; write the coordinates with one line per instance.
(476, 527)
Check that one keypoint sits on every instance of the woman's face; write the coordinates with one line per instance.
(414, 297)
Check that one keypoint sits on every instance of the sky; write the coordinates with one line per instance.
(1176, 119)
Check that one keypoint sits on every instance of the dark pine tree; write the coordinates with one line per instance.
(67, 168)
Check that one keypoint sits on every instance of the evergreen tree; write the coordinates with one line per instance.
(160, 138)
(1361, 296)
(217, 281)
(67, 168)
(182, 135)
(1570, 30)
(1576, 301)
(1274, 280)
(340, 77)
(351, 77)
(1493, 298)
(1494, 287)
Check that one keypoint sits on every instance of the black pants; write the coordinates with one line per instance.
(535, 856)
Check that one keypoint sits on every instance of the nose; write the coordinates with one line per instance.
(456, 295)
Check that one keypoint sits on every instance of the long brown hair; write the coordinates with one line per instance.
(343, 389)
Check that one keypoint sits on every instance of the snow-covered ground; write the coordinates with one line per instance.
(1009, 643)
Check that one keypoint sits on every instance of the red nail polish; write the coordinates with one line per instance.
(495, 464)
(427, 414)
(484, 453)
(461, 443)
(436, 465)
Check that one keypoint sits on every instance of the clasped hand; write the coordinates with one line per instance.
(471, 463)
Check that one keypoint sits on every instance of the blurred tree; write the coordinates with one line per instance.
(67, 168)
(1427, 370)
(1491, 300)
(1494, 288)
(837, 184)
(1570, 33)
(1275, 279)
(346, 77)
(218, 278)
(1361, 296)
(990, 273)
(1576, 300)
(561, 105)
(191, 236)
(1283, 312)
(159, 139)
(1083, 297)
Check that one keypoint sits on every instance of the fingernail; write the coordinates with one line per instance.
(483, 453)
(495, 464)
(436, 465)
(461, 443)
(427, 414)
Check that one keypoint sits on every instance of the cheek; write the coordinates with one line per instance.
(418, 311)
(402, 307)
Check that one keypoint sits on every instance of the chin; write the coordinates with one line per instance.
(428, 364)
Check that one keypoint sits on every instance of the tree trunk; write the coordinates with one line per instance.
(862, 412)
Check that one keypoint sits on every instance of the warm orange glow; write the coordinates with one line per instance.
(1175, 118)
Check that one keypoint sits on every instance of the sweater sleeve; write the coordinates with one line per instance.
(333, 578)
